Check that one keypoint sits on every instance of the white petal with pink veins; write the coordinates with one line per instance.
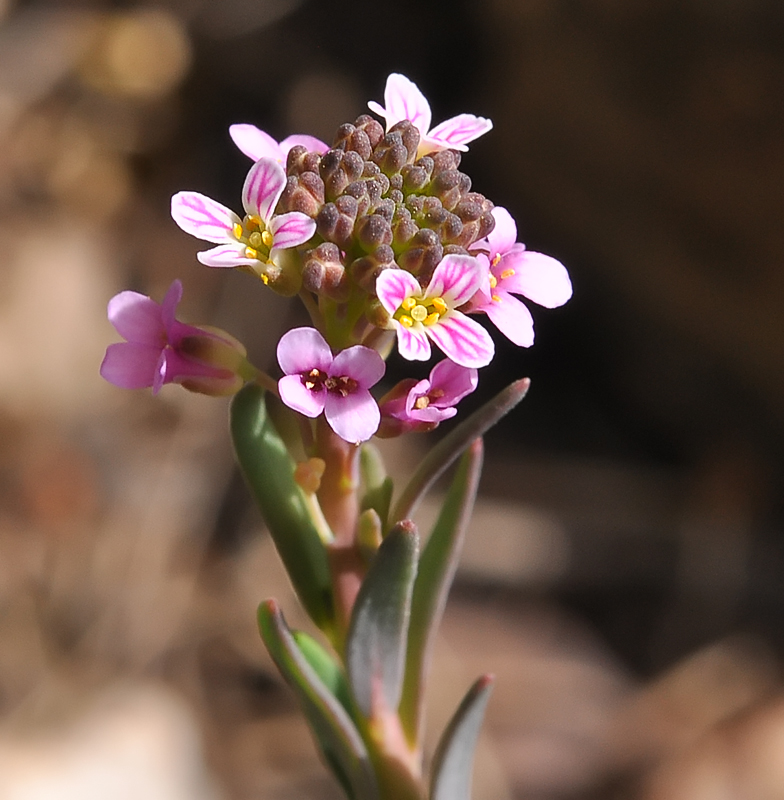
(456, 279)
(456, 132)
(263, 188)
(255, 143)
(512, 318)
(203, 217)
(291, 230)
(393, 286)
(412, 343)
(403, 101)
(226, 256)
(540, 278)
(463, 340)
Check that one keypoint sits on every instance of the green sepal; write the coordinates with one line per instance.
(269, 471)
(438, 459)
(336, 735)
(376, 643)
(453, 762)
(437, 566)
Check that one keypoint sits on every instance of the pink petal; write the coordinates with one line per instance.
(412, 343)
(504, 234)
(393, 286)
(169, 306)
(296, 395)
(226, 255)
(130, 365)
(453, 380)
(313, 144)
(137, 318)
(431, 413)
(202, 217)
(303, 349)
(456, 279)
(363, 364)
(463, 340)
(355, 418)
(403, 101)
(512, 318)
(456, 132)
(256, 143)
(263, 188)
(539, 278)
(291, 230)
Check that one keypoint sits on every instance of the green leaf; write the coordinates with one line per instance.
(269, 471)
(438, 459)
(453, 762)
(376, 643)
(437, 567)
(378, 486)
(326, 667)
(336, 735)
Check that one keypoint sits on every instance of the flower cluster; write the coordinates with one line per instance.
(382, 236)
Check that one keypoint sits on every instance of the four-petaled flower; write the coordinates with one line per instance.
(514, 270)
(404, 100)
(317, 381)
(254, 241)
(256, 143)
(420, 314)
(159, 349)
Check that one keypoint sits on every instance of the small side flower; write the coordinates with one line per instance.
(256, 143)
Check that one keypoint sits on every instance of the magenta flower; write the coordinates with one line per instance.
(422, 405)
(159, 349)
(515, 270)
(257, 144)
(254, 241)
(403, 100)
(419, 314)
(317, 381)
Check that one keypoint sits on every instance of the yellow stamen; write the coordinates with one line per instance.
(408, 304)
(419, 313)
(439, 305)
(496, 298)
(496, 259)
(431, 319)
(250, 253)
(493, 281)
(507, 273)
(266, 237)
(254, 221)
(264, 278)
(422, 402)
(237, 230)
(406, 322)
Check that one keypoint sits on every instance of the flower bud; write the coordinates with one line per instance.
(323, 272)
(410, 137)
(391, 154)
(372, 231)
(422, 255)
(214, 362)
(304, 193)
(335, 221)
(371, 127)
(366, 269)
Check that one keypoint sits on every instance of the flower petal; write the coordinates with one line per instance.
(393, 286)
(296, 395)
(256, 143)
(263, 187)
(355, 417)
(456, 279)
(169, 306)
(453, 381)
(404, 101)
(504, 235)
(412, 343)
(363, 364)
(291, 230)
(130, 365)
(226, 255)
(512, 318)
(456, 132)
(303, 349)
(540, 278)
(137, 318)
(463, 340)
(203, 217)
(313, 144)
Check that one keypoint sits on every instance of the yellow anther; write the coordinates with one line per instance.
(266, 237)
(408, 304)
(493, 281)
(406, 322)
(422, 402)
(264, 278)
(237, 230)
(439, 305)
(507, 273)
(250, 253)
(496, 298)
(254, 221)
(431, 319)
(254, 240)
(496, 259)
(419, 313)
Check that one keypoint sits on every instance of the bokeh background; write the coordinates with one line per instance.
(623, 576)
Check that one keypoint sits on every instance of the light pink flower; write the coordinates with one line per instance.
(403, 100)
(159, 349)
(254, 241)
(419, 315)
(256, 143)
(317, 381)
(515, 270)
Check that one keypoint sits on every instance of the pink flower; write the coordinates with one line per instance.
(419, 314)
(256, 144)
(403, 100)
(317, 381)
(159, 349)
(254, 241)
(515, 270)
(422, 405)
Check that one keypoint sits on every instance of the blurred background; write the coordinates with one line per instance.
(623, 574)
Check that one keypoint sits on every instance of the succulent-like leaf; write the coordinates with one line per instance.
(336, 735)
(378, 485)
(326, 667)
(269, 471)
(437, 566)
(452, 445)
(453, 762)
(376, 643)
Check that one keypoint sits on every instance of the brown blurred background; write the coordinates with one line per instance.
(623, 574)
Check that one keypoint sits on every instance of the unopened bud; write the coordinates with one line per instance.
(303, 193)
(371, 127)
(214, 362)
(372, 231)
(366, 269)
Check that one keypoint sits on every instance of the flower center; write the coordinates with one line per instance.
(316, 380)
(418, 310)
(255, 236)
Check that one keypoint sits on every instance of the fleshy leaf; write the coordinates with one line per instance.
(337, 736)
(376, 644)
(377, 484)
(453, 762)
(437, 567)
(269, 471)
(326, 667)
(452, 445)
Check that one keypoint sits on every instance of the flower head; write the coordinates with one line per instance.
(256, 143)
(515, 270)
(255, 241)
(317, 381)
(419, 315)
(404, 100)
(159, 349)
